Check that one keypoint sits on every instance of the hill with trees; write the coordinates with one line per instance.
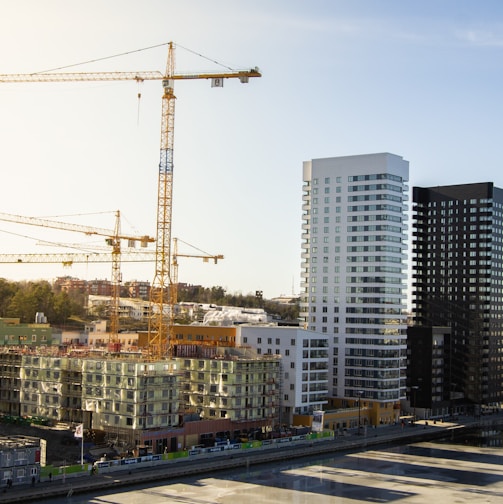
(68, 308)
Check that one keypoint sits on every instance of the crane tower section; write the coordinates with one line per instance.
(159, 331)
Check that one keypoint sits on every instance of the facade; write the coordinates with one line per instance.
(138, 289)
(430, 386)
(197, 335)
(137, 309)
(121, 396)
(233, 384)
(353, 271)
(12, 332)
(457, 272)
(303, 379)
(137, 401)
(10, 382)
(50, 386)
(20, 458)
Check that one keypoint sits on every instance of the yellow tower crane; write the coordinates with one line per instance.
(160, 326)
(113, 239)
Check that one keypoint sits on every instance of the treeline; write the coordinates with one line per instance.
(24, 299)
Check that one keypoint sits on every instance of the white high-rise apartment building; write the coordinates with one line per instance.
(354, 271)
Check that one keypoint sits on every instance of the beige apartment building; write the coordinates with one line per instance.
(134, 400)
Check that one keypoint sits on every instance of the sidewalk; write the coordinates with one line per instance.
(421, 430)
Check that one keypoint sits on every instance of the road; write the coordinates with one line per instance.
(375, 467)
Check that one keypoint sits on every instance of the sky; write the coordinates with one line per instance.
(339, 77)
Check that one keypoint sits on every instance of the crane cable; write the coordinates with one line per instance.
(101, 59)
(132, 52)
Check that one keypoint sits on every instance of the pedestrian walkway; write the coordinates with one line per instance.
(421, 430)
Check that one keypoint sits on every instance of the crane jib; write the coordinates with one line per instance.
(117, 76)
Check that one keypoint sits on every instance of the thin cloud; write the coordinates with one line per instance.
(481, 38)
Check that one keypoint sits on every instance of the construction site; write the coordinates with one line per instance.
(165, 395)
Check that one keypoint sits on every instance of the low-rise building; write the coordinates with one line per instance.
(20, 458)
(304, 364)
(13, 332)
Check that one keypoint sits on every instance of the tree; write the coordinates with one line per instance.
(30, 298)
(7, 292)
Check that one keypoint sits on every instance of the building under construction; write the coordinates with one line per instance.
(164, 404)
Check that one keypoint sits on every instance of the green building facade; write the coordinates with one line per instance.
(12, 332)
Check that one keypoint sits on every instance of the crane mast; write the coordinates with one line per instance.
(160, 331)
(115, 243)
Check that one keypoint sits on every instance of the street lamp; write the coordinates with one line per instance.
(359, 394)
(414, 388)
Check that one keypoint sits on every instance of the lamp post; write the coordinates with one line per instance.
(359, 394)
(414, 388)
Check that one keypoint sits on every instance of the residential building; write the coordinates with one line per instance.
(457, 272)
(138, 401)
(431, 390)
(126, 395)
(50, 386)
(138, 289)
(354, 272)
(20, 458)
(303, 379)
(230, 383)
(10, 382)
(99, 287)
(137, 309)
(70, 284)
(13, 332)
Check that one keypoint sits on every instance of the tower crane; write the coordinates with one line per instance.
(67, 259)
(113, 239)
(159, 331)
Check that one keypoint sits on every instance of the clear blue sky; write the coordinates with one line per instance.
(419, 79)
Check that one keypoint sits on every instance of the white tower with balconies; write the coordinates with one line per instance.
(354, 239)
